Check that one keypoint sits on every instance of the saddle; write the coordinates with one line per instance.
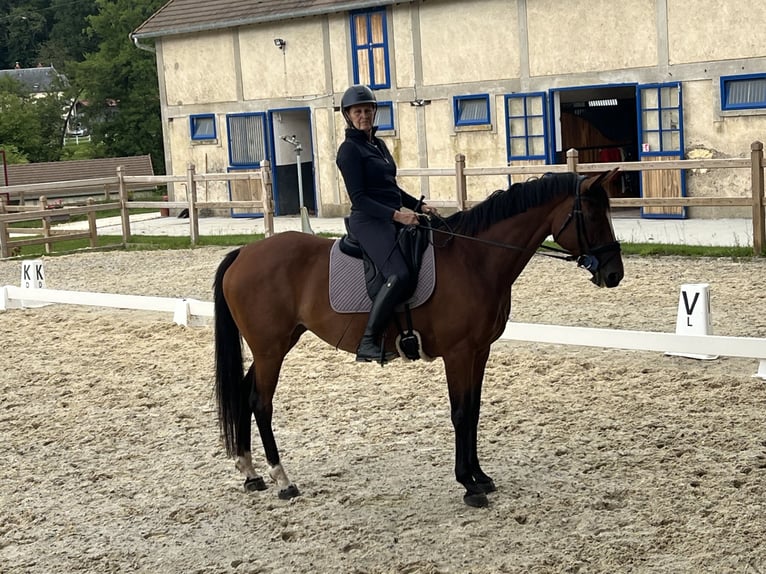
(355, 281)
(413, 241)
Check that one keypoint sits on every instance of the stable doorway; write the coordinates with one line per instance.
(293, 168)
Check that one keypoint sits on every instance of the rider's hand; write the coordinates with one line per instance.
(428, 210)
(406, 217)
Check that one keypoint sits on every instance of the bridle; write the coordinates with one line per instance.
(589, 255)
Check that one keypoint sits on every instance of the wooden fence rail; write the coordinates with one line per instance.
(755, 164)
(460, 172)
(49, 235)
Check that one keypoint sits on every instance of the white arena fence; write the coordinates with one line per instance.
(190, 312)
(187, 312)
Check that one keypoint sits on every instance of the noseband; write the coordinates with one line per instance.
(588, 258)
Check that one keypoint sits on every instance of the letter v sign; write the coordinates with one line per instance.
(689, 308)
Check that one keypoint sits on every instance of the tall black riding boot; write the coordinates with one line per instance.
(371, 347)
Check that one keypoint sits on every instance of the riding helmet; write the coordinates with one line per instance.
(357, 94)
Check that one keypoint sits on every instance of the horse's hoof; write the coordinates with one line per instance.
(486, 487)
(476, 499)
(254, 484)
(289, 492)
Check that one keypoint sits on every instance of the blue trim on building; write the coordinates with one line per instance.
(356, 43)
(193, 127)
(457, 109)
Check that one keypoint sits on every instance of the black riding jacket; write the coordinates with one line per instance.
(369, 172)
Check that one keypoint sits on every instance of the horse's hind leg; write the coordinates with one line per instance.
(253, 481)
(266, 377)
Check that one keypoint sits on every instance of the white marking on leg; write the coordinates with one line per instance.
(278, 475)
(244, 465)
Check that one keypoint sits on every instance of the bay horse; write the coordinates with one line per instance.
(272, 291)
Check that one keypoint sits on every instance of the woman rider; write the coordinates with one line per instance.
(369, 173)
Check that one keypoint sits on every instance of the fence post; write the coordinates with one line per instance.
(460, 186)
(573, 157)
(759, 232)
(46, 223)
(268, 199)
(191, 189)
(4, 237)
(92, 222)
(124, 214)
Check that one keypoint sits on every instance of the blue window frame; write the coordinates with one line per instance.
(525, 125)
(384, 118)
(744, 92)
(471, 110)
(247, 139)
(660, 120)
(202, 127)
(369, 47)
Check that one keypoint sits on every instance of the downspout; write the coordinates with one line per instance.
(137, 43)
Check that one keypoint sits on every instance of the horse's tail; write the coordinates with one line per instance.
(228, 361)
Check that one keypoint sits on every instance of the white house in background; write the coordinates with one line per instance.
(501, 81)
(37, 81)
(44, 80)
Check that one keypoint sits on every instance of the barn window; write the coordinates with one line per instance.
(661, 118)
(384, 118)
(471, 110)
(369, 42)
(743, 92)
(202, 127)
(247, 139)
(525, 126)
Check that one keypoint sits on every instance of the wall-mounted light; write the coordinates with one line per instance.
(419, 103)
(280, 43)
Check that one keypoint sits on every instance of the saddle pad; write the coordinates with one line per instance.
(348, 292)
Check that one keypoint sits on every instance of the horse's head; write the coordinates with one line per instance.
(583, 227)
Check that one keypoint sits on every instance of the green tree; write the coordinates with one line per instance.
(33, 126)
(23, 27)
(69, 38)
(120, 83)
(13, 155)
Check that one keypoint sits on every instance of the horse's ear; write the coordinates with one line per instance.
(606, 177)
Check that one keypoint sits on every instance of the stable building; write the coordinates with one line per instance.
(504, 82)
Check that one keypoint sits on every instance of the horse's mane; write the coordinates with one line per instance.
(505, 203)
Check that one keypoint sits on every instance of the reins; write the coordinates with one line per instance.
(562, 254)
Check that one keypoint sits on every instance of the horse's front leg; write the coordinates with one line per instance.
(483, 480)
(465, 398)
(266, 377)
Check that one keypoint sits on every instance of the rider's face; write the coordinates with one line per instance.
(362, 116)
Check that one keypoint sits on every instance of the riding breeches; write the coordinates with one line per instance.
(378, 239)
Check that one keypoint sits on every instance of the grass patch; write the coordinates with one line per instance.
(648, 249)
(156, 242)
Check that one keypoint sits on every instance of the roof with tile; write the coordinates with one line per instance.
(186, 16)
(45, 172)
(36, 80)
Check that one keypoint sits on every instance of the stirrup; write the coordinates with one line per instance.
(380, 355)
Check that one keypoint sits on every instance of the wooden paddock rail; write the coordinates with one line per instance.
(46, 234)
(191, 179)
(755, 164)
(460, 172)
(49, 235)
